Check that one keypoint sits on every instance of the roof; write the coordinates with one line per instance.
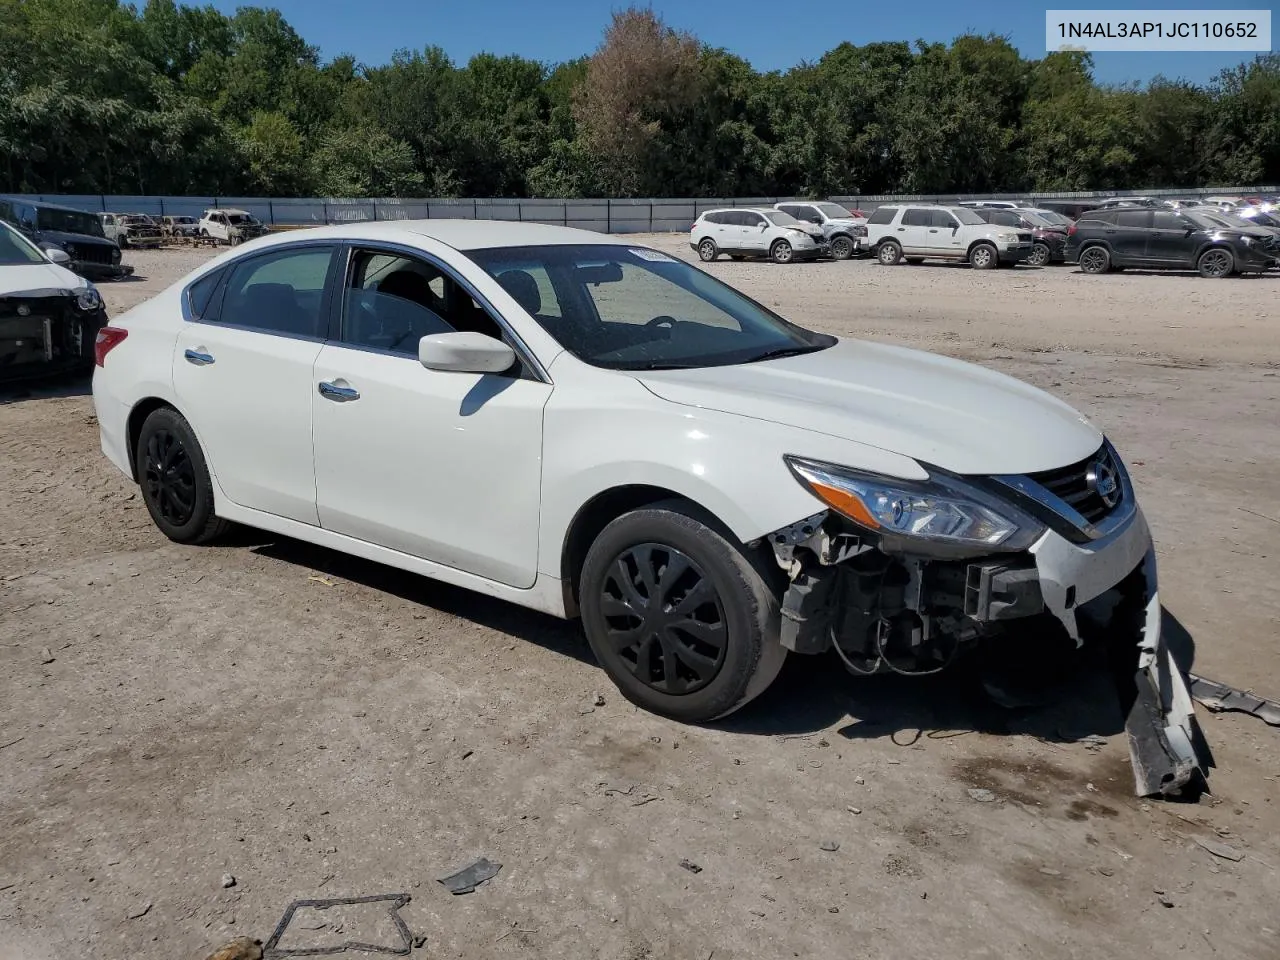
(459, 234)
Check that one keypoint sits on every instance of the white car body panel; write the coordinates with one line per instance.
(36, 279)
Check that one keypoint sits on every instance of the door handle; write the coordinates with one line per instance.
(1108, 231)
(331, 391)
(933, 231)
(197, 357)
(902, 229)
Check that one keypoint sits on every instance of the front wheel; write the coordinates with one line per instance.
(1095, 260)
(1040, 255)
(889, 253)
(707, 250)
(841, 248)
(1216, 263)
(175, 479)
(984, 257)
(781, 252)
(678, 616)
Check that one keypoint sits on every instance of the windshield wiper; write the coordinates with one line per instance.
(781, 352)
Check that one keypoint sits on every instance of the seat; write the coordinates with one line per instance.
(523, 289)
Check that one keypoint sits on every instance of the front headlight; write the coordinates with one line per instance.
(1007, 237)
(89, 299)
(796, 231)
(1247, 241)
(919, 514)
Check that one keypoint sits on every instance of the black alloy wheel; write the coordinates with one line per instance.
(664, 618)
(168, 479)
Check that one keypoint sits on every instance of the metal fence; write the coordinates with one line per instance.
(604, 215)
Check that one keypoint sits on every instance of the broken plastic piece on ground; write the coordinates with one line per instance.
(1219, 849)
(470, 877)
(394, 900)
(1218, 697)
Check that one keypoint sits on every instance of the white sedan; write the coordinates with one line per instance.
(590, 427)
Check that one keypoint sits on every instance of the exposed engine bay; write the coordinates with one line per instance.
(45, 332)
(884, 607)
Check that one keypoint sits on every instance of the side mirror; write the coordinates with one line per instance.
(59, 257)
(465, 353)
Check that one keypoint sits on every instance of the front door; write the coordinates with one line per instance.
(943, 235)
(754, 231)
(242, 373)
(1169, 241)
(442, 466)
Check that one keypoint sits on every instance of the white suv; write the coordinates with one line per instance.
(741, 233)
(921, 231)
(231, 226)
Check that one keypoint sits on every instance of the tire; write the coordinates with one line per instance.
(889, 253)
(174, 477)
(841, 248)
(737, 610)
(781, 252)
(984, 256)
(707, 250)
(1095, 259)
(1040, 255)
(1216, 263)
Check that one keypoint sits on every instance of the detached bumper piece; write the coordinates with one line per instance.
(1218, 698)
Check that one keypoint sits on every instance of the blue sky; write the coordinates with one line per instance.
(771, 35)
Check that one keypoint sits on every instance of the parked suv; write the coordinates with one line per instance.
(179, 226)
(917, 232)
(76, 233)
(845, 231)
(1103, 240)
(998, 204)
(741, 233)
(1050, 239)
(131, 230)
(231, 226)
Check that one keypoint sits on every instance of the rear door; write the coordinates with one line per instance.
(1133, 229)
(242, 370)
(913, 231)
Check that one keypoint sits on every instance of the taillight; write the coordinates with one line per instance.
(1071, 230)
(107, 339)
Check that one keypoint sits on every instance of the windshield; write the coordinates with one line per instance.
(1035, 219)
(781, 219)
(1210, 221)
(834, 211)
(1257, 216)
(16, 249)
(68, 221)
(1054, 219)
(632, 308)
(965, 215)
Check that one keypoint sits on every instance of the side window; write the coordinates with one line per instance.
(944, 220)
(916, 217)
(279, 293)
(714, 218)
(1168, 220)
(792, 209)
(882, 215)
(1005, 218)
(1133, 219)
(750, 219)
(200, 293)
(392, 302)
(806, 213)
(1100, 216)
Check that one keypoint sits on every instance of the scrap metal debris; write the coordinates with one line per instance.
(468, 878)
(396, 901)
(1219, 849)
(1218, 697)
(690, 866)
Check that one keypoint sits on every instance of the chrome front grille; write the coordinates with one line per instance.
(1086, 486)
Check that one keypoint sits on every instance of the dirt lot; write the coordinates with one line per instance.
(319, 726)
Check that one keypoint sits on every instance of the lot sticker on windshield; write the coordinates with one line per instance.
(653, 255)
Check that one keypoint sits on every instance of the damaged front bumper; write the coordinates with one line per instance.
(884, 609)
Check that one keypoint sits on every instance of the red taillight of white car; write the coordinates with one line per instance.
(107, 339)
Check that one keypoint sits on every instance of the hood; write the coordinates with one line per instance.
(37, 280)
(955, 415)
(80, 239)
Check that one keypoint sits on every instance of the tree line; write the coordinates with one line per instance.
(99, 96)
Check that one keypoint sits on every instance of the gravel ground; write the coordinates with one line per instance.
(319, 726)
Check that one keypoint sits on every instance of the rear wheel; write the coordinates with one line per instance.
(175, 479)
(889, 253)
(1095, 260)
(984, 257)
(841, 248)
(707, 250)
(781, 252)
(677, 615)
(1216, 263)
(1040, 255)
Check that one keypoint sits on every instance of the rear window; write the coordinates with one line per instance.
(882, 215)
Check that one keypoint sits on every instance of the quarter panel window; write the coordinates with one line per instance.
(279, 292)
